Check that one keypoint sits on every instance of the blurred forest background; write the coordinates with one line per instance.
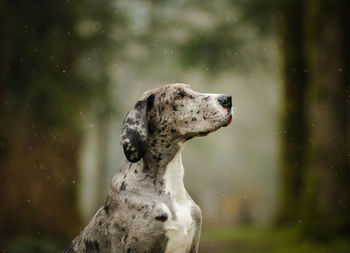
(276, 180)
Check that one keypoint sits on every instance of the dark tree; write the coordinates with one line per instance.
(293, 128)
(327, 192)
(42, 91)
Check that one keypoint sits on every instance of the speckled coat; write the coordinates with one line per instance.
(133, 218)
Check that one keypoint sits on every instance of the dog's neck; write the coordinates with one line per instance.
(173, 177)
(162, 162)
(161, 151)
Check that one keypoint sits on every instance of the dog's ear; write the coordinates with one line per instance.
(135, 130)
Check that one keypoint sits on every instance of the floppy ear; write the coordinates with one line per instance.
(135, 130)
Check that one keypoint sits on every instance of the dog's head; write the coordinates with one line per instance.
(172, 112)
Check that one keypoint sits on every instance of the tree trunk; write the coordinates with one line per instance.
(293, 124)
(38, 144)
(327, 211)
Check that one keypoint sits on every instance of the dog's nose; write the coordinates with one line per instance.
(225, 101)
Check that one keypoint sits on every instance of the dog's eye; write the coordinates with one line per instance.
(180, 95)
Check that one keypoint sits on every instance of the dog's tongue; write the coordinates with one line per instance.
(228, 122)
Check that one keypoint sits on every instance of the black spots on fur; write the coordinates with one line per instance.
(198, 112)
(154, 142)
(162, 182)
(91, 246)
(162, 95)
(163, 217)
(174, 107)
(163, 135)
(125, 237)
(69, 249)
(106, 208)
(194, 119)
(130, 121)
(189, 138)
(186, 122)
(173, 130)
(150, 102)
(134, 238)
(136, 171)
(204, 117)
(167, 145)
(133, 216)
(206, 98)
(123, 186)
(158, 157)
(135, 148)
(125, 200)
(129, 250)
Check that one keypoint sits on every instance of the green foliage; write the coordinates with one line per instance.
(222, 47)
(261, 14)
(215, 50)
(45, 41)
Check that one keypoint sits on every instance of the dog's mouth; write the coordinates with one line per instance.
(228, 122)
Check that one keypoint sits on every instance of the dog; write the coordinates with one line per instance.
(147, 209)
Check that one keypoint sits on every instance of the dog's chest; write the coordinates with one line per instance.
(180, 232)
(180, 227)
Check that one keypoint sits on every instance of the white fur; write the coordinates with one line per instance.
(180, 231)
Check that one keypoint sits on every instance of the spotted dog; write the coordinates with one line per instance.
(147, 209)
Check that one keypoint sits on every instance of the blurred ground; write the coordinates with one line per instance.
(240, 239)
(246, 239)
